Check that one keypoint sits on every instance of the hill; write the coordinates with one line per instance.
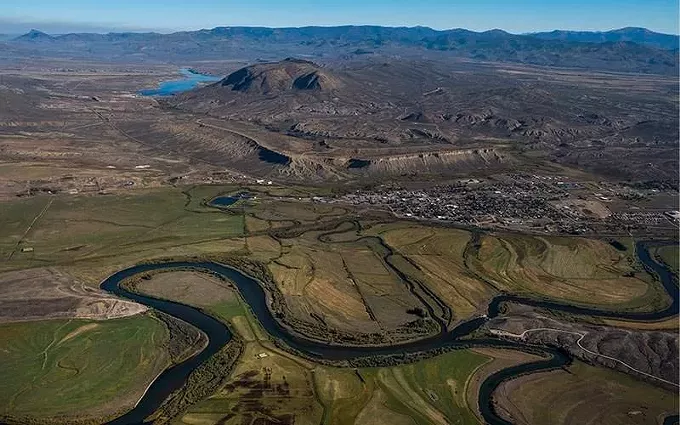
(287, 75)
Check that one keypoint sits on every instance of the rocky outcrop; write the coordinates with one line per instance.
(430, 162)
(651, 352)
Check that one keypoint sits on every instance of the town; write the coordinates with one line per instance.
(534, 203)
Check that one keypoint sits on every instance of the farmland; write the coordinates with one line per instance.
(78, 368)
(342, 276)
(112, 230)
(266, 382)
(270, 383)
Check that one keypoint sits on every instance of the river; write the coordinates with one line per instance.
(254, 295)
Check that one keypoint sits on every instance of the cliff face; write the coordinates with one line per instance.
(431, 162)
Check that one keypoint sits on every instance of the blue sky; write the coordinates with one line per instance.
(511, 15)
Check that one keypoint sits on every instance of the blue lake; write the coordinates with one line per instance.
(225, 201)
(191, 80)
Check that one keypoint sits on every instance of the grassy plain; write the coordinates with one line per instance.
(78, 368)
(267, 386)
(432, 391)
(189, 287)
(331, 274)
(267, 383)
(584, 395)
(107, 231)
(577, 270)
(327, 269)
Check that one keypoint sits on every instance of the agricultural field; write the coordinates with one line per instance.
(79, 368)
(335, 276)
(559, 397)
(188, 287)
(114, 230)
(268, 383)
(338, 274)
(577, 270)
(436, 256)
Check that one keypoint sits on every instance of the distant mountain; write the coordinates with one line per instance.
(255, 43)
(635, 35)
(34, 36)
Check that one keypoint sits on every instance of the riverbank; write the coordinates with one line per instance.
(253, 294)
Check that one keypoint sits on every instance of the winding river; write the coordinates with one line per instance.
(254, 295)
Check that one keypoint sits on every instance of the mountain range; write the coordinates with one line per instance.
(627, 49)
(636, 35)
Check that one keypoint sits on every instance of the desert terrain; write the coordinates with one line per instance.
(451, 234)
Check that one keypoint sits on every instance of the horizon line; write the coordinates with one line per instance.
(169, 31)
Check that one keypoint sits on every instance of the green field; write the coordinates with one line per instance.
(326, 265)
(285, 387)
(115, 229)
(78, 367)
(432, 391)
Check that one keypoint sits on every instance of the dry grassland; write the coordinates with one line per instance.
(44, 293)
(579, 270)
(438, 256)
(193, 288)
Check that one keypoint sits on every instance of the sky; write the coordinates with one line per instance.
(516, 16)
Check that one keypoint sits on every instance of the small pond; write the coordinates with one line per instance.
(226, 201)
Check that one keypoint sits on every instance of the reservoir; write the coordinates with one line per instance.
(191, 80)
